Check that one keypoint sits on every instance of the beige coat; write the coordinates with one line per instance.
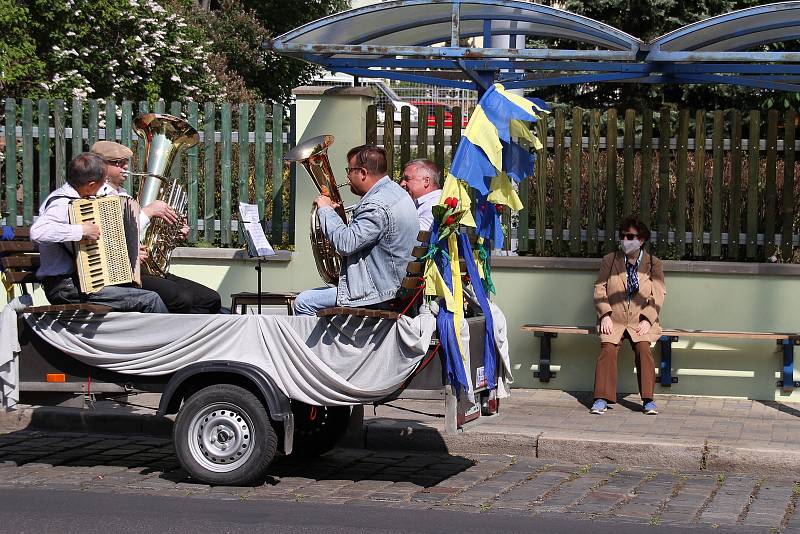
(611, 296)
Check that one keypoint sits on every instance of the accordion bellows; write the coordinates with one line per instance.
(112, 259)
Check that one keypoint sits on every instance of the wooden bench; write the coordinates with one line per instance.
(668, 337)
(19, 259)
(409, 287)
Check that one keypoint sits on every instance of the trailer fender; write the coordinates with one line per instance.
(277, 403)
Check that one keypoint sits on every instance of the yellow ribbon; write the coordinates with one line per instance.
(458, 291)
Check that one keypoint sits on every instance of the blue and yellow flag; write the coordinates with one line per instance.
(497, 149)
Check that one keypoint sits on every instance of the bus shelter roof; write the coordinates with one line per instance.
(422, 41)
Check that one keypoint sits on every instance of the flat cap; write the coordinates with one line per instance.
(111, 151)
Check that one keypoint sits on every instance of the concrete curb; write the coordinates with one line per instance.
(103, 421)
(384, 434)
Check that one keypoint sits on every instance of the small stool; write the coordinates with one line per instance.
(240, 301)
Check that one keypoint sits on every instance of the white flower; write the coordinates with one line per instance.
(175, 78)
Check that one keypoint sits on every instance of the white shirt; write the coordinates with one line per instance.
(107, 189)
(425, 204)
(55, 235)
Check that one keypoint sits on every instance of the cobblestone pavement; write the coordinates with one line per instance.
(489, 484)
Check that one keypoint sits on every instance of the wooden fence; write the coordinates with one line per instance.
(723, 187)
(239, 158)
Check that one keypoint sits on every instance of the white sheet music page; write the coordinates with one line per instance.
(249, 217)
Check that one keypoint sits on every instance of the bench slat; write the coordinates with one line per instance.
(20, 277)
(564, 329)
(358, 312)
(419, 251)
(60, 308)
(18, 246)
(22, 232)
(23, 260)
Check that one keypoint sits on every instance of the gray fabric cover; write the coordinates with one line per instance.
(339, 361)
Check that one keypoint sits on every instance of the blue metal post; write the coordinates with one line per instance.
(788, 364)
(665, 367)
(544, 355)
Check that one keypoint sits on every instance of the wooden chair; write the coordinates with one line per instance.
(19, 259)
(408, 297)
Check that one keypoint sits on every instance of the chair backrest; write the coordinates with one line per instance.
(19, 258)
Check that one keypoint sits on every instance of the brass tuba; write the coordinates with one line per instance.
(165, 136)
(313, 154)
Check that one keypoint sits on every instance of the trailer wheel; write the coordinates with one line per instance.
(317, 429)
(223, 436)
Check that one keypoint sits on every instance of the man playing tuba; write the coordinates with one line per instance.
(375, 245)
(179, 294)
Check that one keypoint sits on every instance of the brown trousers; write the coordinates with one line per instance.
(605, 374)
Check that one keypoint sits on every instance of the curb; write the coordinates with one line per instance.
(688, 454)
(56, 419)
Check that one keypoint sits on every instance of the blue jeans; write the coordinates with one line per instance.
(63, 291)
(310, 301)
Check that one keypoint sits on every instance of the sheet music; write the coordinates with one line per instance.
(258, 244)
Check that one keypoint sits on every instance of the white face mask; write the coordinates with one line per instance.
(629, 246)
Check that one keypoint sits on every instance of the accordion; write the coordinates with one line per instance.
(114, 258)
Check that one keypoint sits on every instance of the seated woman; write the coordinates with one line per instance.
(628, 296)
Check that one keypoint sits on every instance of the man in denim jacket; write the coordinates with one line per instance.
(375, 245)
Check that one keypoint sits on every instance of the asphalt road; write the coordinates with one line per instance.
(43, 511)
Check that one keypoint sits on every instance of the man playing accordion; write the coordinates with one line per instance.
(57, 240)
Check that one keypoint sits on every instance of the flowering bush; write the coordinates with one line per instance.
(137, 49)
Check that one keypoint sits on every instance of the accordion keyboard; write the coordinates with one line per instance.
(103, 262)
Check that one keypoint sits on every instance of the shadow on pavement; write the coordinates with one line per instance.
(779, 406)
(144, 456)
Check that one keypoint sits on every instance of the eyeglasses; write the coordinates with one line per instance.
(118, 163)
(630, 237)
(406, 178)
(348, 170)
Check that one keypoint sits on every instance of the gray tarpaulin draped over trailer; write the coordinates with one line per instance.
(338, 361)
(422, 41)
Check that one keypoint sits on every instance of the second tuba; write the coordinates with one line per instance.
(313, 155)
(165, 136)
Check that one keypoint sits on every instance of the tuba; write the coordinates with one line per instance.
(165, 137)
(313, 154)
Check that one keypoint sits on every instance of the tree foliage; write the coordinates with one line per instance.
(138, 49)
(237, 29)
(148, 49)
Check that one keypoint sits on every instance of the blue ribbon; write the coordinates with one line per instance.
(489, 346)
(8, 233)
(453, 363)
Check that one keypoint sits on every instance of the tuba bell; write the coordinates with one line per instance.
(313, 155)
(165, 136)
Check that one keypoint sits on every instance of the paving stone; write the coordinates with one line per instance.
(730, 500)
(771, 503)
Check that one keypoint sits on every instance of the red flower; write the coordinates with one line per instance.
(452, 202)
(499, 208)
(450, 220)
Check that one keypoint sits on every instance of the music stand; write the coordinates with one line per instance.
(257, 244)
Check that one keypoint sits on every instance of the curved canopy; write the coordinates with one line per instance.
(734, 32)
(423, 22)
(420, 40)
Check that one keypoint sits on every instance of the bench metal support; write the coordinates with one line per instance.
(665, 367)
(788, 383)
(544, 374)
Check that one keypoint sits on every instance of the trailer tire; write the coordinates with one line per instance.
(317, 429)
(223, 436)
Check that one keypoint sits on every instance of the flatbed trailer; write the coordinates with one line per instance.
(231, 418)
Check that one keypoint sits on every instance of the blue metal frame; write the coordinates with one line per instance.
(624, 59)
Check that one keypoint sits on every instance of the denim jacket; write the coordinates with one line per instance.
(375, 245)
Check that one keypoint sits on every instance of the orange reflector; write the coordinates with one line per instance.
(56, 377)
